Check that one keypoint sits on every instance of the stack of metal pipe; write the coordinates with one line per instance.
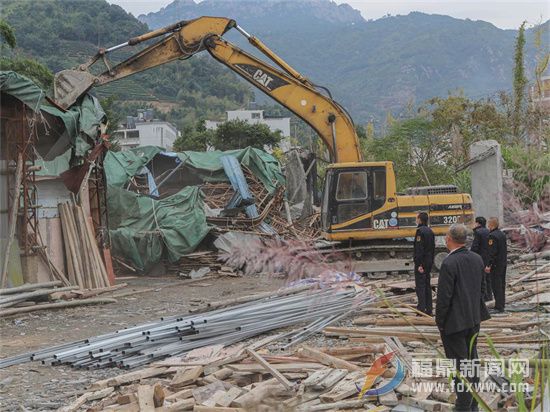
(142, 344)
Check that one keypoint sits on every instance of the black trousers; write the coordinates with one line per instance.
(498, 280)
(488, 287)
(457, 347)
(423, 290)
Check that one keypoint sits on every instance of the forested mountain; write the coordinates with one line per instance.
(372, 67)
(65, 33)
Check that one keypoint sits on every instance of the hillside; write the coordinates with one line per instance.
(371, 66)
(65, 33)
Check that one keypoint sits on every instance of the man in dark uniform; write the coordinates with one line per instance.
(460, 308)
(480, 246)
(497, 262)
(424, 251)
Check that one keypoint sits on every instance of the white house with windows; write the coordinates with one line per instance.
(144, 130)
(253, 117)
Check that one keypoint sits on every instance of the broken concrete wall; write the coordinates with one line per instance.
(487, 192)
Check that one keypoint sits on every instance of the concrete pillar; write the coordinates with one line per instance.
(486, 173)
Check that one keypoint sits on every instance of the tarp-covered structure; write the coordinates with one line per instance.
(49, 140)
(168, 220)
(80, 124)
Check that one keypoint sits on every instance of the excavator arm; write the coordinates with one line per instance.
(186, 38)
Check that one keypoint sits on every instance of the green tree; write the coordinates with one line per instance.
(237, 134)
(194, 137)
(520, 82)
(113, 116)
(31, 68)
(25, 66)
(7, 35)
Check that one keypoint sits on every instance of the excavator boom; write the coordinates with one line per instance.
(187, 38)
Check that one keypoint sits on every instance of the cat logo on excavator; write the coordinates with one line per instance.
(262, 78)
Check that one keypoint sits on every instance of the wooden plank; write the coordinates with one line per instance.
(201, 408)
(276, 374)
(30, 287)
(388, 399)
(426, 404)
(183, 394)
(57, 305)
(335, 376)
(145, 395)
(325, 359)
(187, 376)
(88, 396)
(352, 404)
(183, 405)
(345, 388)
(228, 397)
(13, 217)
(281, 367)
(128, 377)
(254, 397)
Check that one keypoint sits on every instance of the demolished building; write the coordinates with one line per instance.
(48, 156)
(162, 205)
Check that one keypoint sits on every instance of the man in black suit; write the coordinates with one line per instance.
(497, 262)
(460, 309)
(480, 246)
(424, 251)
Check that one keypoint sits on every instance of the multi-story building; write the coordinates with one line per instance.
(145, 130)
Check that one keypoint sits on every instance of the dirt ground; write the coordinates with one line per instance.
(32, 386)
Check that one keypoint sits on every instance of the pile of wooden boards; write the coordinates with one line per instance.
(86, 268)
(47, 295)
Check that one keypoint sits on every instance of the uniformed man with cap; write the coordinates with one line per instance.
(424, 251)
(497, 262)
(480, 246)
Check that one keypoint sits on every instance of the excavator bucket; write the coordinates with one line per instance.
(69, 85)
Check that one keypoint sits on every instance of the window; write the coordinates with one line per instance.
(379, 186)
(255, 115)
(352, 186)
(132, 133)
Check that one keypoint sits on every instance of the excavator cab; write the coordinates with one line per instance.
(353, 193)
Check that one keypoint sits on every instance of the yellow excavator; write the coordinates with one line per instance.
(360, 199)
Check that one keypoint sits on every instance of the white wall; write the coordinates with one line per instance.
(156, 134)
(279, 123)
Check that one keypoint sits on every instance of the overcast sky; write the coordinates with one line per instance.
(506, 14)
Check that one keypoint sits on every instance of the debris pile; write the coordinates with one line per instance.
(226, 355)
(165, 206)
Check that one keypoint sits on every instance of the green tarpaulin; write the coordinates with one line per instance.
(143, 229)
(149, 229)
(121, 166)
(81, 120)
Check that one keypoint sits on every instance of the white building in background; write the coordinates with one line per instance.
(254, 117)
(145, 130)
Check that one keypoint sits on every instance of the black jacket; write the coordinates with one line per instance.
(424, 247)
(479, 245)
(498, 251)
(460, 291)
